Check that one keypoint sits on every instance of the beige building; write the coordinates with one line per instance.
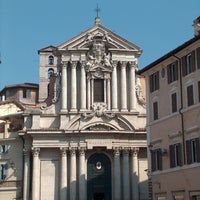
(86, 137)
(173, 124)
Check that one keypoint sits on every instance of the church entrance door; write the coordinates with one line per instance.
(99, 177)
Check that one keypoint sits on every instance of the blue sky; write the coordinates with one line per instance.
(156, 26)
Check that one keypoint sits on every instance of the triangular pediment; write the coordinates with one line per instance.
(98, 32)
(47, 49)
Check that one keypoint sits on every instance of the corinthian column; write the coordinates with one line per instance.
(73, 173)
(63, 175)
(82, 172)
(108, 93)
(88, 93)
(83, 88)
(114, 89)
(123, 88)
(64, 86)
(26, 183)
(132, 88)
(134, 173)
(117, 177)
(126, 179)
(36, 175)
(73, 88)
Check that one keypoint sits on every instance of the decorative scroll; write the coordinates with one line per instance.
(99, 110)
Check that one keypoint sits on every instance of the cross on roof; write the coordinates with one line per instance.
(97, 10)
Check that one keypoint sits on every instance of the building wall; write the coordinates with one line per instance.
(172, 128)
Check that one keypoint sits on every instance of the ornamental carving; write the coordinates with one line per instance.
(99, 110)
(98, 56)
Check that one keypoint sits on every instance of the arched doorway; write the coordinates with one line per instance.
(99, 177)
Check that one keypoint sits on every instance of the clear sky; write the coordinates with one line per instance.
(156, 26)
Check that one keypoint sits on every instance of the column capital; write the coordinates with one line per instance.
(72, 151)
(63, 151)
(73, 64)
(26, 151)
(82, 151)
(117, 151)
(64, 63)
(126, 150)
(134, 151)
(35, 151)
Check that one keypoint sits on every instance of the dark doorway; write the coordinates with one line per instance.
(99, 177)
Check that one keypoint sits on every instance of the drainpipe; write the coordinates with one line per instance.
(181, 109)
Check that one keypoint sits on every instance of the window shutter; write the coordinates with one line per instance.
(150, 83)
(183, 66)
(171, 151)
(155, 110)
(198, 149)
(199, 90)
(168, 74)
(176, 70)
(153, 166)
(188, 152)
(5, 171)
(157, 80)
(179, 155)
(160, 159)
(1, 149)
(198, 58)
(193, 61)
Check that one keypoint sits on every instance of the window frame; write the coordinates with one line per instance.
(155, 110)
(51, 60)
(97, 97)
(188, 63)
(193, 150)
(190, 95)
(174, 102)
(154, 81)
(175, 155)
(156, 159)
(3, 171)
(26, 93)
(172, 72)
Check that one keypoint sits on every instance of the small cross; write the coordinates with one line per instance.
(97, 10)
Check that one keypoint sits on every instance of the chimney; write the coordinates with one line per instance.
(196, 24)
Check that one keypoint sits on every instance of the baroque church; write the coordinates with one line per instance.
(86, 137)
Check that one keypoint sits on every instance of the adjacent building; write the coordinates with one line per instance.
(85, 137)
(173, 130)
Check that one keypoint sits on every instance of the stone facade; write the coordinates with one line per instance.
(86, 137)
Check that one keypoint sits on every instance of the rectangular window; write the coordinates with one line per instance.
(3, 171)
(174, 102)
(154, 81)
(193, 150)
(98, 90)
(26, 93)
(198, 58)
(155, 110)
(190, 95)
(175, 155)
(199, 90)
(172, 72)
(4, 148)
(156, 159)
(188, 63)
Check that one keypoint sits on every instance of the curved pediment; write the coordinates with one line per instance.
(99, 123)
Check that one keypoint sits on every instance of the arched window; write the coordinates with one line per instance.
(51, 60)
(50, 72)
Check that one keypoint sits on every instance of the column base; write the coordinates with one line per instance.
(63, 111)
(115, 109)
(73, 110)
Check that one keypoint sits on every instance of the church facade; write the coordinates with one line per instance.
(86, 138)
